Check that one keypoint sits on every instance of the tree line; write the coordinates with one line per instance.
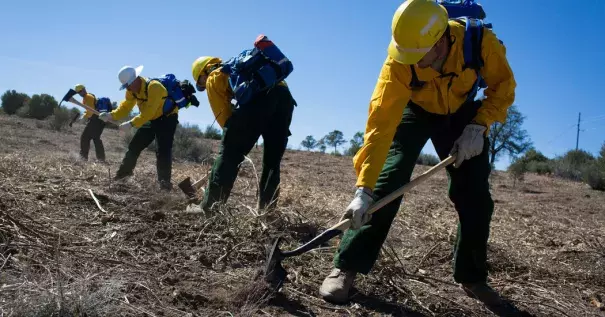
(44, 106)
(507, 138)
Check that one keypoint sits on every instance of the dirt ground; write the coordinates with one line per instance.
(142, 255)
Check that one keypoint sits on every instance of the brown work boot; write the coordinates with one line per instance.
(335, 288)
(491, 299)
(482, 292)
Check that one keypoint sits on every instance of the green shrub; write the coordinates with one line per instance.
(541, 168)
(23, 112)
(534, 155)
(427, 159)
(517, 170)
(594, 175)
(189, 145)
(41, 106)
(12, 101)
(572, 164)
(213, 133)
(61, 118)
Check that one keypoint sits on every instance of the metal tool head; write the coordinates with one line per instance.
(275, 274)
(187, 188)
(70, 93)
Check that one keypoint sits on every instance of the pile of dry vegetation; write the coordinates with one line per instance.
(137, 253)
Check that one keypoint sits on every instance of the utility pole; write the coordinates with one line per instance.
(578, 133)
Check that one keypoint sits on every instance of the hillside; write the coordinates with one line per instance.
(144, 256)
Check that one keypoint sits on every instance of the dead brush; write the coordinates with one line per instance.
(545, 246)
(248, 299)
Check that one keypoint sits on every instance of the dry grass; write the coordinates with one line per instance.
(62, 255)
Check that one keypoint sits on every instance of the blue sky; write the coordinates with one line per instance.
(555, 48)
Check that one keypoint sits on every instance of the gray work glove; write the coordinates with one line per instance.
(105, 116)
(469, 144)
(357, 210)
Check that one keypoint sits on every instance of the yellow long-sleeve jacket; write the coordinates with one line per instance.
(220, 95)
(90, 101)
(150, 101)
(392, 93)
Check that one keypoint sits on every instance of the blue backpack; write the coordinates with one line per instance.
(471, 15)
(102, 104)
(175, 97)
(180, 93)
(256, 70)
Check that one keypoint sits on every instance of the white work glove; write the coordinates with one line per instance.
(125, 126)
(357, 210)
(105, 116)
(469, 144)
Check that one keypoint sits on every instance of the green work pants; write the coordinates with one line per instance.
(162, 131)
(468, 190)
(269, 115)
(92, 131)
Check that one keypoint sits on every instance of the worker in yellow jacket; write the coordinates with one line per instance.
(94, 126)
(151, 123)
(268, 115)
(422, 94)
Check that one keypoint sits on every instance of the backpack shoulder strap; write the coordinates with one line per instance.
(473, 37)
(146, 89)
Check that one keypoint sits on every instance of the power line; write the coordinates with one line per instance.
(595, 119)
(566, 129)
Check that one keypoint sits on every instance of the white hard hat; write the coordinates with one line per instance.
(128, 74)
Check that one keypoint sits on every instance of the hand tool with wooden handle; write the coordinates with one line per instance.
(274, 271)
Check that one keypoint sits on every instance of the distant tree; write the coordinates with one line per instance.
(212, 133)
(309, 143)
(427, 159)
(509, 137)
(356, 144)
(533, 155)
(41, 106)
(335, 139)
(535, 162)
(13, 100)
(321, 144)
(114, 104)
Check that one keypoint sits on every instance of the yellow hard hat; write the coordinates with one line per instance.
(417, 25)
(79, 87)
(200, 64)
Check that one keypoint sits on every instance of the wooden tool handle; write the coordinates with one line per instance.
(405, 188)
(73, 100)
(345, 223)
(91, 110)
